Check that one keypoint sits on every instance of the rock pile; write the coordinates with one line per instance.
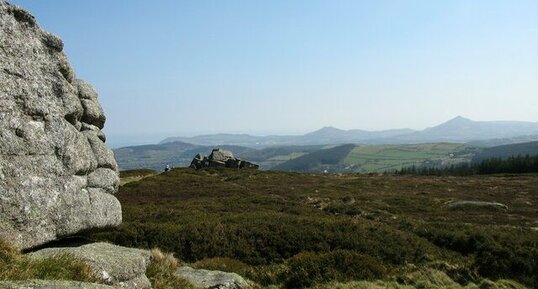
(220, 158)
(57, 177)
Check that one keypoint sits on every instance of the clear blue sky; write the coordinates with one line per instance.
(170, 68)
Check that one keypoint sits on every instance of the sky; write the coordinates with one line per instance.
(183, 68)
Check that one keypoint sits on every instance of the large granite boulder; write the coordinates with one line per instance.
(220, 158)
(57, 177)
(113, 265)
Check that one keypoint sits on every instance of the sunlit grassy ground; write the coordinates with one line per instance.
(135, 175)
(16, 266)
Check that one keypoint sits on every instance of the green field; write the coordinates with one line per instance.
(379, 158)
(393, 157)
(330, 158)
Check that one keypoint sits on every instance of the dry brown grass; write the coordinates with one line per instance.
(161, 272)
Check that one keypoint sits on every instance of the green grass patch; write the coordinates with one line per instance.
(393, 157)
(15, 266)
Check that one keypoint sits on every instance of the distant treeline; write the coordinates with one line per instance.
(513, 164)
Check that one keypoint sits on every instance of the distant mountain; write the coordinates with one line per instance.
(457, 130)
(506, 151)
(504, 141)
(323, 136)
(219, 139)
(331, 135)
(462, 130)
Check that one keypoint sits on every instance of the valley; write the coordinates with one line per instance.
(456, 141)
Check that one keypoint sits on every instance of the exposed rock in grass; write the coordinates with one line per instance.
(51, 284)
(220, 158)
(463, 205)
(55, 170)
(212, 279)
(113, 265)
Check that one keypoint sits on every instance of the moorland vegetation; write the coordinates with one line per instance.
(294, 230)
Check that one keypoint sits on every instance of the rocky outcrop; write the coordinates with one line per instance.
(57, 177)
(212, 279)
(220, 158)
(113, 265)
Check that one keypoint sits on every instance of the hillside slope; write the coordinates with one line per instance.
(504, 141)
(329, 159)
(180, 154)
(157, 156)
(379, 158)
(505, 151)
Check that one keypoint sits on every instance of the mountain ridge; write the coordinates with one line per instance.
(458, 129)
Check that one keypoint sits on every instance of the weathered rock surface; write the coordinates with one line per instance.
(220, 158)
(476, 205)
(56, 173)
(50, 284)
(212, 279)
(114, 265)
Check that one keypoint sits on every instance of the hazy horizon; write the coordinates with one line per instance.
(119, 140)
(180, 68)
